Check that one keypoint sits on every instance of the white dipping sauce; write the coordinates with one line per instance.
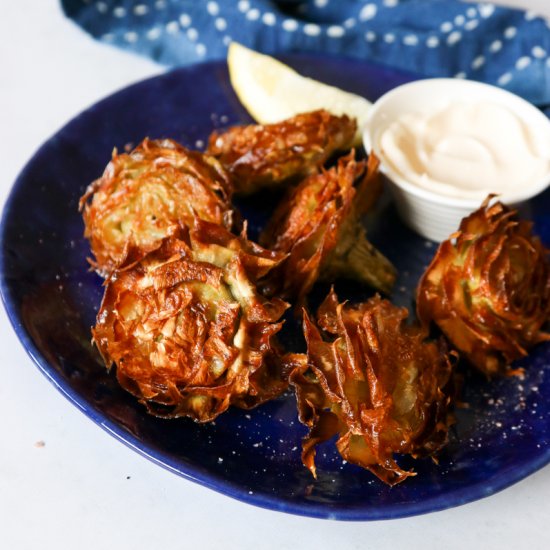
(466, 150)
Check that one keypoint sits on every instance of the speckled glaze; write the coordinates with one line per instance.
(51, 298)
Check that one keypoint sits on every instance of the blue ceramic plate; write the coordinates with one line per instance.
(52, 298)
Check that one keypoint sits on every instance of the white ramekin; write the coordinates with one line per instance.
(430, 214)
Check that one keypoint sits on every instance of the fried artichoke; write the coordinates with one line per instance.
(187, 330)
(265, 156)
(318, 226)
(373, 381)
(146, 195)
(488, 288)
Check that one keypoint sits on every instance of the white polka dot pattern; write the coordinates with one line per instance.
(172, 27)
(141, 9)
(212, 8)
(311, 29)
(495, 46)
(269, 19)
(478, 62)
(523, 62)
(336, 31)
(368, 12)
(290, 25)
(253, 14)
(479, 40)
(454, 37)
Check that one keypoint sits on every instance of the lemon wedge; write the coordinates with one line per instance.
(271, 91)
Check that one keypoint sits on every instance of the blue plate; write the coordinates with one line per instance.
(52, 298)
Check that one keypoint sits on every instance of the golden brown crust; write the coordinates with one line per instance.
(488, 288)
(146, 195)
(265, 156)
(187, 330)
(318, 226)
(373, 381)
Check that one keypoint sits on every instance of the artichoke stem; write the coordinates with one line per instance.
(361, 261)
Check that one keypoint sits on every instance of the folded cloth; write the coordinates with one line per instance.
(502, 46)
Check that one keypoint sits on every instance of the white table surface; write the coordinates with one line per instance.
(83, 489)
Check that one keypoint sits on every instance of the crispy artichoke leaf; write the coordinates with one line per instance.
(375, 382)
(188, 331)
(318, 226)
(214, 244)
(265, 156)
(145, 195)
(488, 288)
(354, 256)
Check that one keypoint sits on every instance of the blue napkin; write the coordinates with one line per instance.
(506, 47)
